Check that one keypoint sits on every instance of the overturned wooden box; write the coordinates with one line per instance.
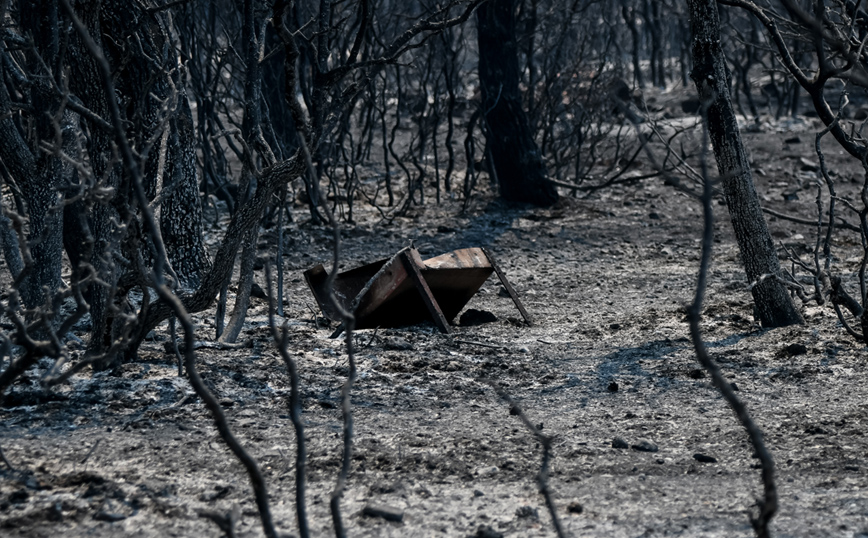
(405, 290)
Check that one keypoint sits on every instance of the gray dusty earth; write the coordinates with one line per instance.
(605, 278)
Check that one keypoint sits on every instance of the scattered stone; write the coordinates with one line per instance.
(660, 461)
(644, 446)
(793, 140)
(477, 493)
(619, 442)
(527, 511)
(613, 387)
(485, 531)
(385, 512)
(575, 508)
(702, 458)
(615, 326)
(227, 402)
(472, 317)
(654, 215)
(696, 373)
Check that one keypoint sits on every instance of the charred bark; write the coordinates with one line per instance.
(712, 78)
(181, 215)
(515, 157)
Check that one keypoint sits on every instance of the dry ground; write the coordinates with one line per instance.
(605, 279)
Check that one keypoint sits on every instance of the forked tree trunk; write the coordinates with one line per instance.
(711, 76)
(515, 157)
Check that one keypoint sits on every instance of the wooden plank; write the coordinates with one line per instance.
(412, 263)
(388, 280)
(464, 258)
(508, 286)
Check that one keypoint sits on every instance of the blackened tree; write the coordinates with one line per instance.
(712, 78)
(513, 154)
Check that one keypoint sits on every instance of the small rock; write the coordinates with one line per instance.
(793, 350)
(385, 512)
(696, 373)
(477, 493)
(793, 140)
(257, 291)
(702, 458)
(484, 531)
(55, 512)
(445, 229)
(111, 517)
(397, 344)
(654, 215)
(644, 446)
(619, 442)
(660, 461)
(808, 164)
(527, 511)
(227, 402)
(613, 387)
(575, 508)
(615, 326)
(472, 317)
(19, 497)
(483, 472)
(791, 196)
(733, 386)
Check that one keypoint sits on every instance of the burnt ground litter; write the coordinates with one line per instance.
(607, 364)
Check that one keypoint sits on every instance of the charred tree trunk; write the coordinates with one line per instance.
(181, 215)
(514, 155)
(712, 79)
(40, 183)
(251, 130)
(636, 41)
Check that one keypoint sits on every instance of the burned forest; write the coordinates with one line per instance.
(461, 268)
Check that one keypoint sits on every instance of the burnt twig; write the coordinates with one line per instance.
(768, 505)
(281, 341)
(546, 442)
